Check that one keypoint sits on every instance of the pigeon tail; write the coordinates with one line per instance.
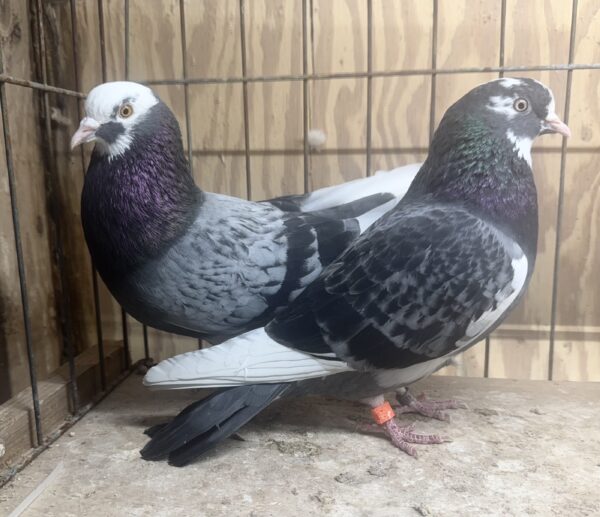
(205, 423)
(394, 182)
(252, 358)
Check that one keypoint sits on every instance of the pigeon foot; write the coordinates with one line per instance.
(404, 437)
(408, 403)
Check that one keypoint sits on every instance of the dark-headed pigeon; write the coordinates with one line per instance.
(429, 279)
(195, 263)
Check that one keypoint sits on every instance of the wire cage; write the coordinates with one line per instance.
(355, 75)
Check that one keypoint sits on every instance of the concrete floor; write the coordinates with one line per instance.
(523, 448)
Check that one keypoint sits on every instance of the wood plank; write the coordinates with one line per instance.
(468, 33)
(340, 35)
(402, 32)
(13, 355)
(398, 119)
(213, 38)
(29, 166)
(275, 115)
(332, 169)
(66, 172)
(225, 174)
(17, 424)
(577, 360)
(276, 175)
(339, 108)
(274, 37)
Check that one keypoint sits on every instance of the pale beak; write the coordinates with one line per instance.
(85, 133)
(553, 124)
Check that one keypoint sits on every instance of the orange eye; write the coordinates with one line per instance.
(521, 105)
(126, 111)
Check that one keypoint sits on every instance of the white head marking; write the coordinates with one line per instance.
(503, 105)
(103, 104)
(509, 82)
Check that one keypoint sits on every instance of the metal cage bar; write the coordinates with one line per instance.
(20, 260)
(305, 111)
(377, 73)
(186, 95)
(103, 65)
(369, 86)
(561, 197)
(433, 71)
(127, 51)
(245, 100)
(95, 291)
(66, 324)
(487, 350)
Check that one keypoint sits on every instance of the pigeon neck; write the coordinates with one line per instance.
(136, 204)
(485, 173)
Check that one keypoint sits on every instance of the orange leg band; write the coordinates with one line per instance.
(382, 414)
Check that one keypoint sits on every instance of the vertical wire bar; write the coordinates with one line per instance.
(369, 83)
(20, 261)
(188, 124)
(127, 50)
(561, 197)
(126, 352)
(21, 265)
(66, 321)
(95, 292)
(305, 96)
(434, 36)
(126, 22)
(486, 359)
(146, 346)
(186, 96)
(245, 99)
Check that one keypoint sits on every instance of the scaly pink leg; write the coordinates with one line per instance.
(408, 403)
(403, 437)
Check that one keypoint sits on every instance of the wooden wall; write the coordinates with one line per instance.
(468, 35)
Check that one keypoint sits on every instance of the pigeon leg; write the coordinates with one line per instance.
(402, 437)
(408, 403)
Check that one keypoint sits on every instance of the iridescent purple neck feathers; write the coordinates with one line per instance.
(474, 167)
(135, 205)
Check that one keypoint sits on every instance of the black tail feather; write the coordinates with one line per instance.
(151, 431)
(203, 424)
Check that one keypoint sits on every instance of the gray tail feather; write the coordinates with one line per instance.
(347, 210)
(205, 423)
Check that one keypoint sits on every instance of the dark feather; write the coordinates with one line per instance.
(204, 423)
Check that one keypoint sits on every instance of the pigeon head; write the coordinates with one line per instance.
(510, 109)
(114, 112)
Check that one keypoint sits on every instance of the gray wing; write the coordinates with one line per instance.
(238, 264)
(423, 283)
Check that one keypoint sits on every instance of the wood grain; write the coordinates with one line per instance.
(213, 38)
(29, 166)
(340, 35)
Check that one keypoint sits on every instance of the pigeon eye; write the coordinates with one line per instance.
(126, 111)
(521, 105)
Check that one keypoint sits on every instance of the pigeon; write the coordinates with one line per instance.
(426, 281)
(195, 263)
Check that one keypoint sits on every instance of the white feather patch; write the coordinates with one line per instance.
(251, 358)
(509, 82)
(395, 182)
(522, 145)
(504, 299)
(503, 105)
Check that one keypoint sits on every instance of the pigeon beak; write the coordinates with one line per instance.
(85, 133)
(553, 124)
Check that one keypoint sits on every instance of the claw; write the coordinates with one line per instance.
(403, 437)
(423, 406)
